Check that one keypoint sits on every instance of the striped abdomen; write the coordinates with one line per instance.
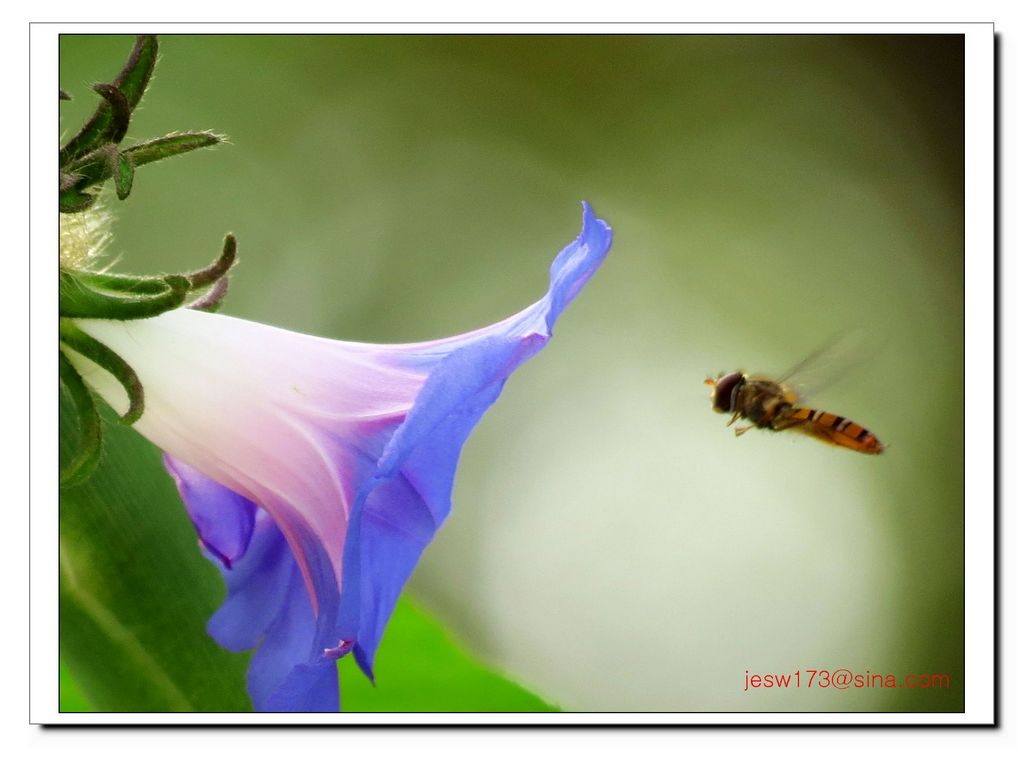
(832, 428)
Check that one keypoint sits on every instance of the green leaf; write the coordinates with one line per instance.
(135, 593)
(420, 668)
(90, 427)
(71, 698)
(423, 671)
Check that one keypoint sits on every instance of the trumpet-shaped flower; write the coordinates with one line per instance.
(317, 471)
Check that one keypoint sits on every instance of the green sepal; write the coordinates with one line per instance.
(170, 145)
(96, 167)
(101, 164)
(100, 354)
(84, 295)
(68, 181)
(124, 173)
(129, 284)
(120, 111)
(92, 168)
(213, 299)
(131, 83)
(73, 200)
(90, 427)
(214, 272)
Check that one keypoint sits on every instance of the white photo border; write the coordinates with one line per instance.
(979, 427)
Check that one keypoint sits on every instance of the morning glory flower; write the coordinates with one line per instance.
(316, 471)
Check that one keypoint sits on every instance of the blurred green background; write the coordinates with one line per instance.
(613, 547)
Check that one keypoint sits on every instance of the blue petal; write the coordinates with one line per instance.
(222, 518)
(269, 607)
(307, 688)
(401, 508)
(397, 521)
(258, 586)
(289, 671)
(576, 263)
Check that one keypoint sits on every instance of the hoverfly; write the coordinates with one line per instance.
(774, 405)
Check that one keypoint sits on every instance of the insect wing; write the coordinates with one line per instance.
(828, 364)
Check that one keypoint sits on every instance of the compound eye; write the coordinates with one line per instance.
(724, 397)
